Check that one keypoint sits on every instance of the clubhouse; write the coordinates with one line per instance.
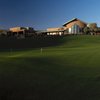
(22, 31)
(74, 26)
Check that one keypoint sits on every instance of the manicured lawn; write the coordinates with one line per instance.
(68, 71)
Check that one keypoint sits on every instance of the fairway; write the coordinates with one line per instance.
(68, 71)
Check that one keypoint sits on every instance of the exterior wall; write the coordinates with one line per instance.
(17, 29)
(78, 22)
(75, 27)
(55, 31)
(22, 31)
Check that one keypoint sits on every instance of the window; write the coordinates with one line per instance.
(75, 29)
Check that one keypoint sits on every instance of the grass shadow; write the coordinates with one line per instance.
(28, 43)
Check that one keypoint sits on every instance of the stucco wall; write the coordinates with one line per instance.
(79, 23)
(55, 29)
(17, 29)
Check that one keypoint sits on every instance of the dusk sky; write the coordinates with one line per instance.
(42, 14)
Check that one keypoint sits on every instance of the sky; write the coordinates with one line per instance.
(43, 14)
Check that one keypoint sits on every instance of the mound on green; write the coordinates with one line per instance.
(68, 71)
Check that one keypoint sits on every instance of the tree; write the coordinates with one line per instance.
(91, 29)
(86, 30)
(92, 25)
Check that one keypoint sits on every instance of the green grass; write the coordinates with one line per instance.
(68, 71)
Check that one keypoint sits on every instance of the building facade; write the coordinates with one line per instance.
(22, 31)
(55, 31)
(74, 26)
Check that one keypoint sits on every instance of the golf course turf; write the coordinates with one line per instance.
(69, 70)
